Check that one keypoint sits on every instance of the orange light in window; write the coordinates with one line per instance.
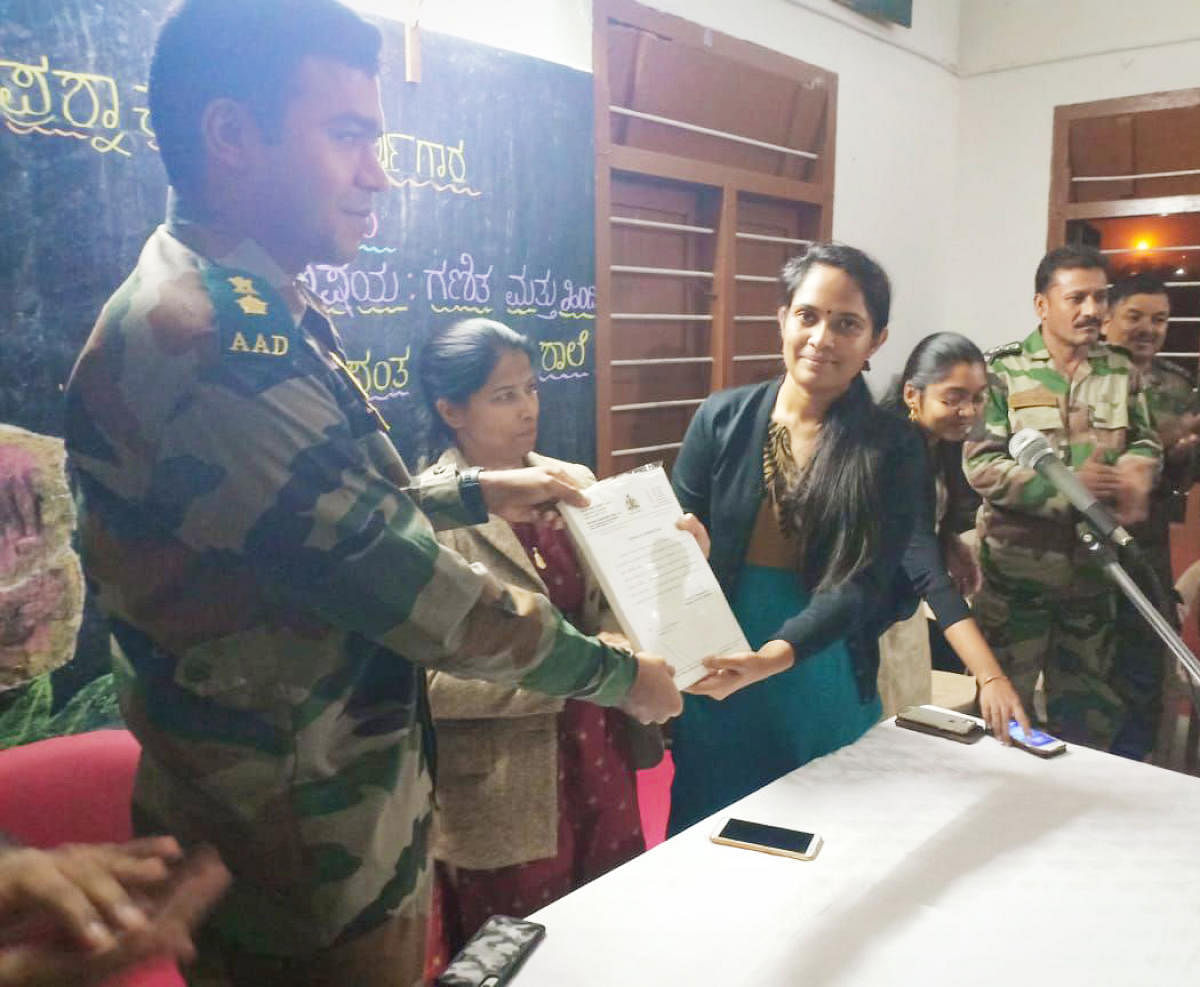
(1142, 245)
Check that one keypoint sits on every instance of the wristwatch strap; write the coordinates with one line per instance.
(472, 495)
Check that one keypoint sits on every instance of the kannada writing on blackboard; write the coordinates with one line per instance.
(404, 156)
(37, 99)
(541, 297)
(564, 355)
(459, 287)
(346, 290)
(452, 285)
(457, 233)
(51, 102)
(387, 377)
(384, 378)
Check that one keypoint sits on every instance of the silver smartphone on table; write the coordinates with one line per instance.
(940, 723)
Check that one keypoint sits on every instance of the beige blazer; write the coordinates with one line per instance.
(497, 766)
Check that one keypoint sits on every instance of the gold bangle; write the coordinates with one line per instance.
(992, 678)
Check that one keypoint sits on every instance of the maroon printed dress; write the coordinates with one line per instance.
(599, 825)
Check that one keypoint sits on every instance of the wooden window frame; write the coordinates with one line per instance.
(1062, 210)
(728, 182)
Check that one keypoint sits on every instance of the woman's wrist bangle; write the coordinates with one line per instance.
(992, 678)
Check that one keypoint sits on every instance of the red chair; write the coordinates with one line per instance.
(76, 789)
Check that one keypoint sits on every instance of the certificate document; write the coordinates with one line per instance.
(654, 576)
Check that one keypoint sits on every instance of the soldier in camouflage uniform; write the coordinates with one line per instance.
(1045, 606)
(1138, 314)
(265, 560)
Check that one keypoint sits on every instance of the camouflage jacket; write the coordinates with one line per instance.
(1103, 407)
(1170, 394)
(271, 578)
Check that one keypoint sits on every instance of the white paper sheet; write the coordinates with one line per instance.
(655, 577)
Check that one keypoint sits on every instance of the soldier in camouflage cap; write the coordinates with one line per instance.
(1138, 313)
(266, 562)
(1045, 606)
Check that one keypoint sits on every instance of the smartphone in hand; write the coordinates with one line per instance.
(1036, 742)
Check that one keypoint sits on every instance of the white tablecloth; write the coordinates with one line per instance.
(943, 864)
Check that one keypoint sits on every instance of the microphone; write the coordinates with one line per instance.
(1031, 449)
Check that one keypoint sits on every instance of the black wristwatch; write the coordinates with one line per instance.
(472, 495)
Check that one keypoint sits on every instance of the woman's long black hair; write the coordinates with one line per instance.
(835, 510)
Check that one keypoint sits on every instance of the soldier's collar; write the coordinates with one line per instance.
(1034, 345)
(228, 250)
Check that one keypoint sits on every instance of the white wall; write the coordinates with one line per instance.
(1005, 138)
(1003, 34)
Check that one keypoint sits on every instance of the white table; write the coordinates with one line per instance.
(943, 864)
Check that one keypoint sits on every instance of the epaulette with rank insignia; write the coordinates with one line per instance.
(252, 318)
(1005, 349)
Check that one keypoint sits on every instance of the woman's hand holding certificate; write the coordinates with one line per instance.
(729, 673)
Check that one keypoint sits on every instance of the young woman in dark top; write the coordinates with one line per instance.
(941, 390)
(810, 493)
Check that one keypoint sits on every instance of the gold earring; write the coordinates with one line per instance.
(912, 412)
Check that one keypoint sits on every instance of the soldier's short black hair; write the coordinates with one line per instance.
(1071, 257)
(1135, 284)
(248, 51)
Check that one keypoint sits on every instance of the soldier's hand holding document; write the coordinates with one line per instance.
(653, 574)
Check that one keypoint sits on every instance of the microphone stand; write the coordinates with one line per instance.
(1107, 559)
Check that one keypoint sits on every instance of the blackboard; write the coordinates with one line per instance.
(490, 160)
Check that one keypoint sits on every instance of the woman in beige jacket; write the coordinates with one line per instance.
(535, 795)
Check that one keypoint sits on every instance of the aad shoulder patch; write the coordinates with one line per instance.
(252, 318)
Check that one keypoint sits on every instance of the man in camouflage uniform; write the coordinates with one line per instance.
(251, 531)
(1045, 606)
(1138, 313)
